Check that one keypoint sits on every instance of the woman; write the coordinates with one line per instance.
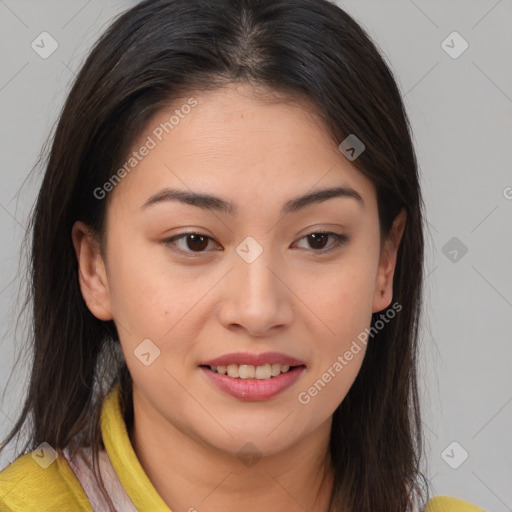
(227, 273)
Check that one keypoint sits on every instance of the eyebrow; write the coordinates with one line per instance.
(213, 203)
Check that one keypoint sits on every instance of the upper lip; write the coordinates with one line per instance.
(253, 359)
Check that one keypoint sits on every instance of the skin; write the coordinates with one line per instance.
(291, 299)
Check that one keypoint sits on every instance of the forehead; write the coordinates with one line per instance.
(235, 141)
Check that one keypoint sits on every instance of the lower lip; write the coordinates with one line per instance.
(254, 389)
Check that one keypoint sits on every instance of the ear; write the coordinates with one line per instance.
(92, 274)
(384, 282)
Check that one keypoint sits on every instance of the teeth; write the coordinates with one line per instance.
(233, 370)
(246, 371)
(276, 369)
(263, 372)
(249, 371)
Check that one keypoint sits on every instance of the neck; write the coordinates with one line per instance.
(191, 475)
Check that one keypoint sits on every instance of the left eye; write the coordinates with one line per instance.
(196, 242)
(319, 237)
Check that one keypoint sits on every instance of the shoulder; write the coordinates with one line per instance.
(31, 483)
(449, 504)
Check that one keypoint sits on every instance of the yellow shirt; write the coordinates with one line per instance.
(26, 486)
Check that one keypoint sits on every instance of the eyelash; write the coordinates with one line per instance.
(339, 240)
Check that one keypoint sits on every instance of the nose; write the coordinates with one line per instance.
(257, 297)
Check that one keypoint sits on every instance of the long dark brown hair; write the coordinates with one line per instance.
(163, 49)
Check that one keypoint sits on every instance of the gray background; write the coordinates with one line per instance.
(461, 114)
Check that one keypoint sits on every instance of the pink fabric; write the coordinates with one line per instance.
(82, 467)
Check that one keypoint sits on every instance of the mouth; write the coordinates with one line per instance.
(249, 371)
(267, 376)
(253, 377)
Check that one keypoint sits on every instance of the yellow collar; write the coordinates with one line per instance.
(140, 489)
(124, 459)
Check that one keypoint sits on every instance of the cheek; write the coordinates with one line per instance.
(342, 299)
(140, 295)
(154, 298)
(342, 296)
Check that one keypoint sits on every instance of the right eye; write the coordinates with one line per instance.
(193, 242)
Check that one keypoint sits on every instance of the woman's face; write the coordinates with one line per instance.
(252, 286)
